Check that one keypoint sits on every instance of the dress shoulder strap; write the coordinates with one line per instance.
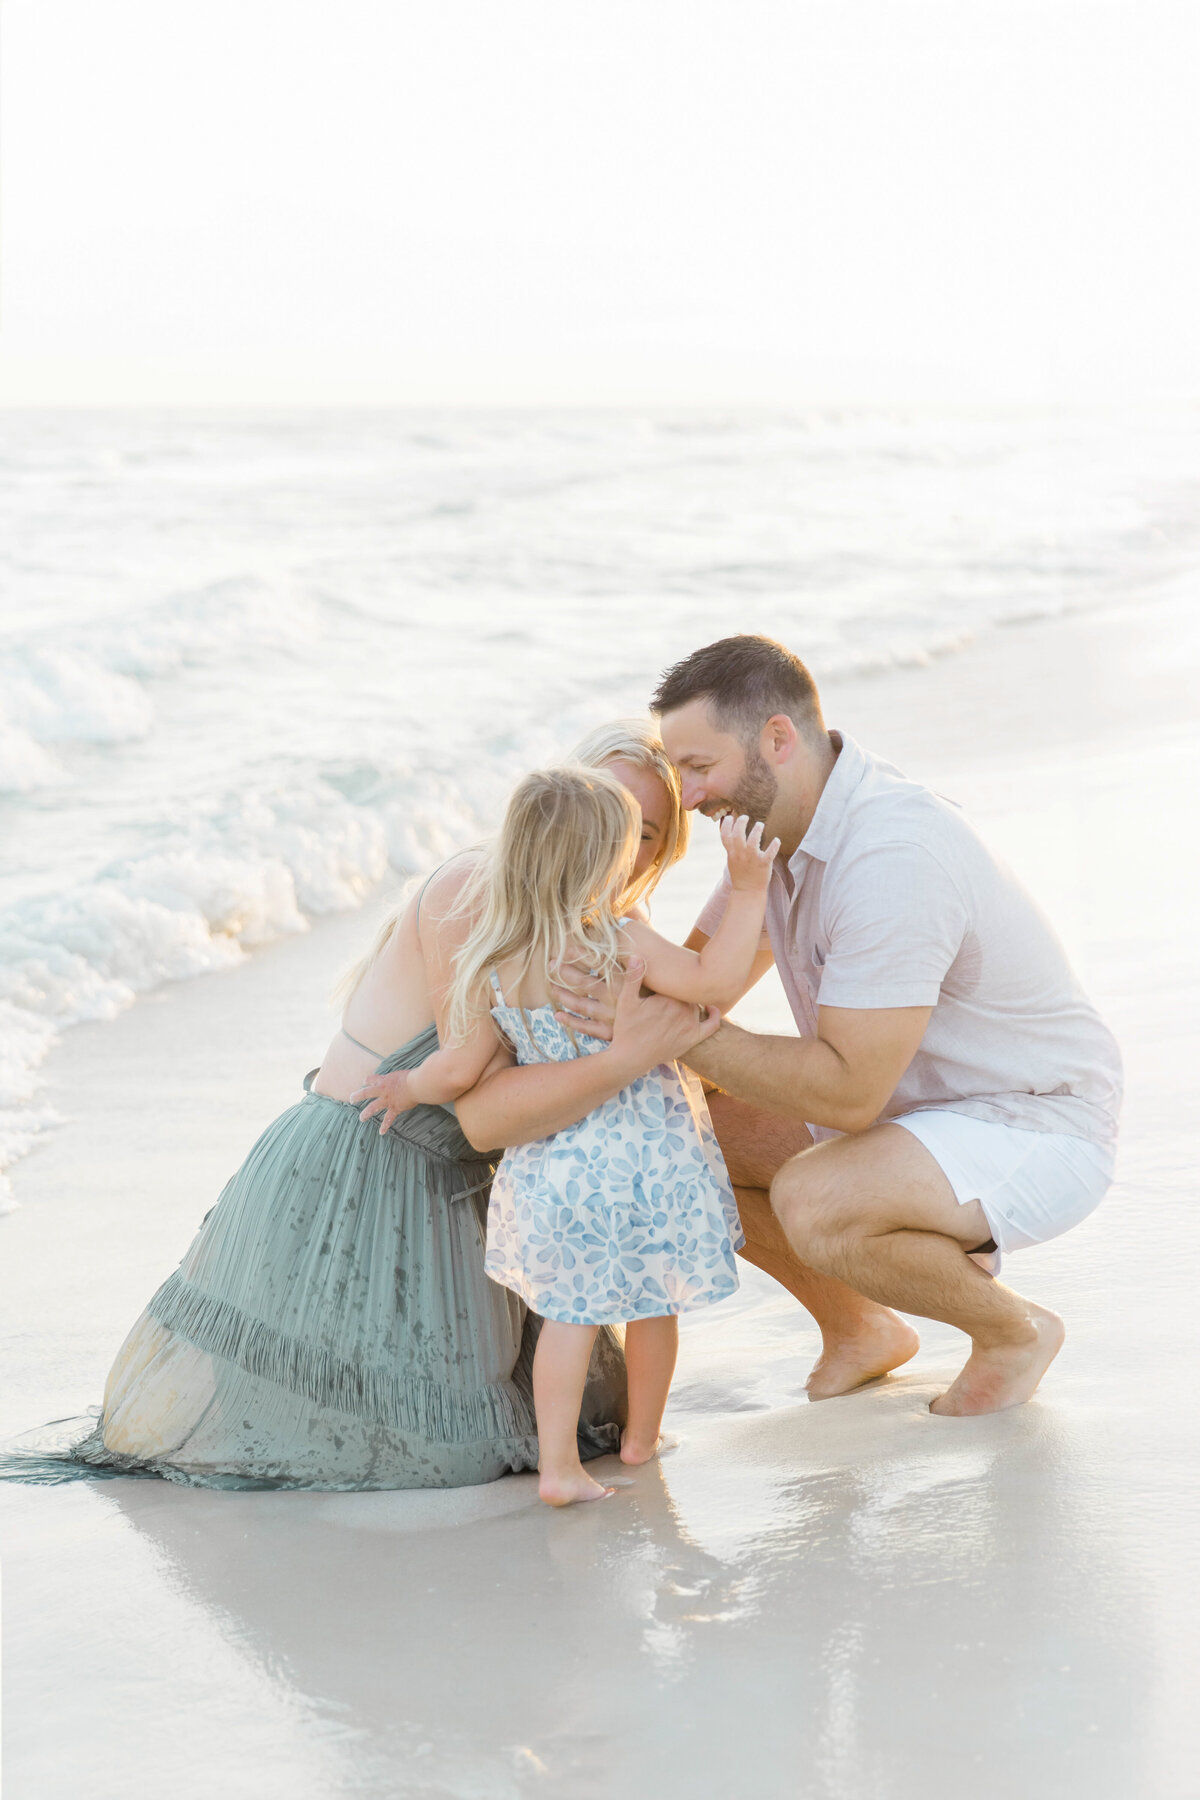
(432, 873)
(496, 988)
(421, 892)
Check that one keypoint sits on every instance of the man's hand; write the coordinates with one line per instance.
(645, 1029)
(579, 994)
(388, 1094)
(519, 1106)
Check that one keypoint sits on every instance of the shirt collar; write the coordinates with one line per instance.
(825, 828)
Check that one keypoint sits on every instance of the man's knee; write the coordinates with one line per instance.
(807, 1204)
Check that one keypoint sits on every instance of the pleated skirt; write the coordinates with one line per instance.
(331, 1326)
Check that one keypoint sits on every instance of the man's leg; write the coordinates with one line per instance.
(876, 1210)
(860, 1339)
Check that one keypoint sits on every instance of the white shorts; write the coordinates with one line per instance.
(1032, 1185)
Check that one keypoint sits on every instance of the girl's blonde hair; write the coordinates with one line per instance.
(634, 741)
(553, 880)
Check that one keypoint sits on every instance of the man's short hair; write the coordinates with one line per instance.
(746, 681)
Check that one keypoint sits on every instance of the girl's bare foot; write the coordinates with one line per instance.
(566, 1490)
(1005, 1374)
(883, 1344)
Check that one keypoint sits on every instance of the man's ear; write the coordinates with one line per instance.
(779, 738)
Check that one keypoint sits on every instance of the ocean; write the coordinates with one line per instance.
(253, 664)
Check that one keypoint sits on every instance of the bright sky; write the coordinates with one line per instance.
(663, 201)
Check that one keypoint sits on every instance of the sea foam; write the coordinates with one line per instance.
(257, 869)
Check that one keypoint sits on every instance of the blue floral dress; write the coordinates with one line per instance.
(627, 1214)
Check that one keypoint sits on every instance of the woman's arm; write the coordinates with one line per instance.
(726, 964)
(518, 1105)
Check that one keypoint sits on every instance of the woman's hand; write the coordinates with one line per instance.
(387, 1093)
(749, 862)
(647, 1029)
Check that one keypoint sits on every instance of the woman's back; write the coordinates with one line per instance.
(392, 1003)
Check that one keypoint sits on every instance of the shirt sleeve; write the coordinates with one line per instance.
(713, 910)
(895, 926)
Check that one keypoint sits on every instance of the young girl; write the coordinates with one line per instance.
(627, 1216)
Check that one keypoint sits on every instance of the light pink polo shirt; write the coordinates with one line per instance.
(893, 900)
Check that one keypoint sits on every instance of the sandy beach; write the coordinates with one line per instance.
(852, 1601)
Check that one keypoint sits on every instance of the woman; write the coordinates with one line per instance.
(331, 1325)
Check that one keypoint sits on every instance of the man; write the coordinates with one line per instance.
(952, 1094)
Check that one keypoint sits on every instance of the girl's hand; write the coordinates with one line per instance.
(749, 862)
(387, 1093)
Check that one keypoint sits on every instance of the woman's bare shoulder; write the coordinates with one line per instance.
(436, 909)
(441, 891)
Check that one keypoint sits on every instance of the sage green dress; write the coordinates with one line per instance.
(331, 1326)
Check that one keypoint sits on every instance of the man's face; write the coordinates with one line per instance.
(719, 773)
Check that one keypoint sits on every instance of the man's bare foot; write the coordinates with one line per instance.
(882, 1343)
(1007, 1374)
(566, 1490)
(643, 1450)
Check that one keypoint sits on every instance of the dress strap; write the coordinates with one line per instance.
(496, 989)
(430, 876)
(360, 1044)
(421, 891)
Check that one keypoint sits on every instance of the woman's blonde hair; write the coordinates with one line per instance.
(553, 880)
(633, 741)
(636, 741)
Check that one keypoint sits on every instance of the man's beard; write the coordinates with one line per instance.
(755, 793)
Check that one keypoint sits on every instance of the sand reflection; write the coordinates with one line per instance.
(852, 1599)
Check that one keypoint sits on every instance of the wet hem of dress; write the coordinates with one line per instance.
(90, 1460)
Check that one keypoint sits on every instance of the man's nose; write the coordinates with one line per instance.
(693, 793)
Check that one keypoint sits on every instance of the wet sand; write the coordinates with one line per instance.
(846, 1601)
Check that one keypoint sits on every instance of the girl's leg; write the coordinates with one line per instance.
(560, 1366)
(650, 1348)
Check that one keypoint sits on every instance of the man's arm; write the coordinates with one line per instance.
(842, 1078)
